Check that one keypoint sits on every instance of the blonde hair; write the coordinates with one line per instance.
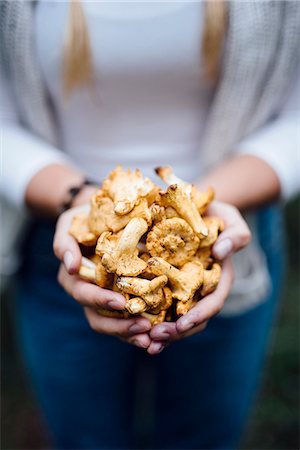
(215, 27)
(77, 58)
(77, 55)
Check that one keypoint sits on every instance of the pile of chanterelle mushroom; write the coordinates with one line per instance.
(149, 244)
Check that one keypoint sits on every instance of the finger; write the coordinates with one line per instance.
(164, 331)
(156, 347)
(210, 305)
(122, 328)
(236, 234)
(168, 332)
(88, 294)
(192, 331)
(139, 340)
(65, 247)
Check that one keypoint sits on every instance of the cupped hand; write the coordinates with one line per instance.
(134, 330)
(236, 235)
(196, 319)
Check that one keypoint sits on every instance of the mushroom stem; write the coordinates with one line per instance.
(183, 282)
(150, 291)
(87, 270)
(201, 199)
(136, 305)
(176, 197)
(123, 259)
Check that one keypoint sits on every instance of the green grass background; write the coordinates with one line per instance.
(275, 420)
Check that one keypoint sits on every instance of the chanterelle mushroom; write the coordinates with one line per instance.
(153, 247)
(125, 188)
(173, 240)
(184, 282)
(87, 270)
(166, 302)
(107, 243)
(123, 258)
(176, 197)
(155, 319)
(80, 230)
(102, 216)
(100, 207)
(149, 290)
(211, 279)
(201, 199)
(96, 273)
(204, 256)
(214, 225)
(182, 308)
(136, 305)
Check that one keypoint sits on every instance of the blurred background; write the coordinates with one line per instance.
(275, 420)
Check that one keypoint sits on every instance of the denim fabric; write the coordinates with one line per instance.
(99, 393)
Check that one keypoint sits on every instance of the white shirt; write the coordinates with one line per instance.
(148, 105)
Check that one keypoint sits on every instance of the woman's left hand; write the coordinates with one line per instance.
(196, 319)
(235, 236)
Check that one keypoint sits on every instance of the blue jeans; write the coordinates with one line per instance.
(99, 393)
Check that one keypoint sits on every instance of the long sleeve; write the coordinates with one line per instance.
(22, 153)
(278, 144)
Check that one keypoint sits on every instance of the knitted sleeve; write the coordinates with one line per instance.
(23, 153)
(278, 144)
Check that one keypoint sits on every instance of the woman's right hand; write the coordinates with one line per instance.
(134, 330)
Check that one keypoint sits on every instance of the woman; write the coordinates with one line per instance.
(138, 91)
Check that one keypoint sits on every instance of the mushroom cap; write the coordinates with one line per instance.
(107, 243)
(202, 200)
(101, 206)
(80, 230)
(176, 197)
(102, 216)
(125, 188)
(214, 225)
(173, 240)
(211, 279)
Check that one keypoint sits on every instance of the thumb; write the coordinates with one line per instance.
(65, 247)
(231, 240)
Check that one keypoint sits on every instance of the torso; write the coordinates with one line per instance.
(149, 101)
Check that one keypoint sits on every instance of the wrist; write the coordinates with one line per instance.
(244, 181)
(78, 194)
(46, 192)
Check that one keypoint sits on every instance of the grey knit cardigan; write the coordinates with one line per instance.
(260, 60)
(261, 56)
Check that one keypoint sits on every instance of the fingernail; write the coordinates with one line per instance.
(140, 344)
(137, 328)
(223, 248)
(116, 304)
(185, 325)
(161, 334)
(68, 260)
(159, 348)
